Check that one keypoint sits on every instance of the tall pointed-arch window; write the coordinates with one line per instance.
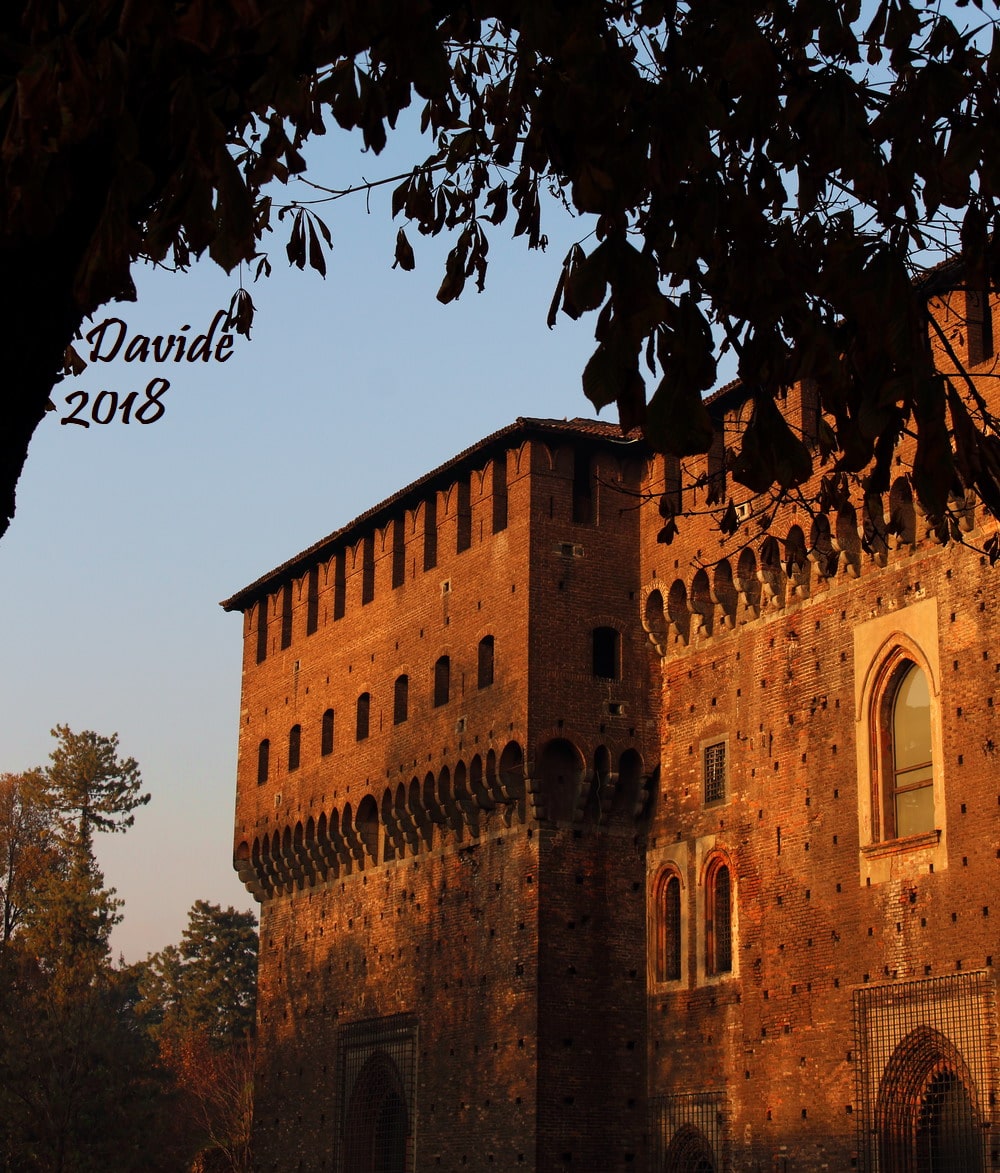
(718, 918)
(906, 757)
(326, 734)
(667, 914)
(263, 761)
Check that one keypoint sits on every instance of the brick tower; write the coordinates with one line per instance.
(447, 741)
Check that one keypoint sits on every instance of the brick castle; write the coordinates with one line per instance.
(576, 850)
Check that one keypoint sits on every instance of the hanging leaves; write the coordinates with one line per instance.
(743, 182)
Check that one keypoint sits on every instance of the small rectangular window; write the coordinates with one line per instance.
(715, 771)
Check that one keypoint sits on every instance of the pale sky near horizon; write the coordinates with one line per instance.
(127, 536)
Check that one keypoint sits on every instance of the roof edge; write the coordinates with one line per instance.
(526, 426)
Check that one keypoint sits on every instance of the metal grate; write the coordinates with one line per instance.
(687, 1133)
(672, 929)
(715, 772)
(377, 1062)
(722, 921)
(926, 1074)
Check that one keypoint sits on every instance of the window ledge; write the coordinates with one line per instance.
(898, 846)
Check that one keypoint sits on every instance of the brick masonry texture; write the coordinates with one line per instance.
(485, 872)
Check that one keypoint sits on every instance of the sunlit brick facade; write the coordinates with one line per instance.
(576, 849)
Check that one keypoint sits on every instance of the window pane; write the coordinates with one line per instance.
(723, 922)
(914, 811)
(672, 930)
(911, 721)
(715, 772)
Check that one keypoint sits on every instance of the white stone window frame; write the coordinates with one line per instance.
(911, 633)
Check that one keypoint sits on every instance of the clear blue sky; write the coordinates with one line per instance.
(127, 537)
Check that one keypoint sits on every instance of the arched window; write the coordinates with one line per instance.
(606, 653)
(667, 914)
(401, 700)
(904, 771)
(326, 736)
(263, 761)
(485, 678)
(364, 715)
(718, 918)
(442, 681)
(294, 747)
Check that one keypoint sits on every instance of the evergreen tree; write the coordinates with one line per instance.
(27, 849)
(89, 788)
(199, 1003)
(81, 1089)
(208, 983)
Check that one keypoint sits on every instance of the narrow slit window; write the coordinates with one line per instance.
(500, 493)
(442, 681)
(286, 615)
(368, 569)
(339, 584)
(363, 715)
(672, 488)
(464, 519)
(716, 465)
(485, 674)
(326, 734)
(294, 747)
(401, 700)
(263, 761)
(430, 532)
(978, 326)
(398, 552)
(262, 630)
(583, 488)
(312, 604)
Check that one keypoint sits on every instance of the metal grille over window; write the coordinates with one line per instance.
(926, 1078)
(722, 921)
(687, 1132)
(377, 1089)
(715, 772)
(672, 930)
